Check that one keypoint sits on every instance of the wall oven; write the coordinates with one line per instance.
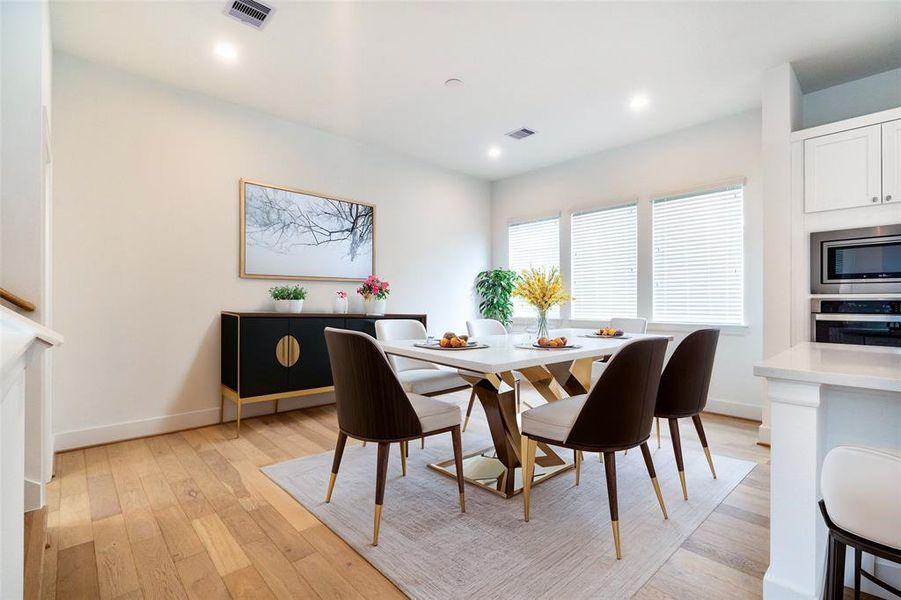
(856, 261)
(865, 322)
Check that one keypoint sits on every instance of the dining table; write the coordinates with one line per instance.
(488, 364)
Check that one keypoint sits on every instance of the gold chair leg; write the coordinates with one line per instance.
(710, 461)
(659, 497)
(376, 522)
(331, 487)
(403, 458)
(422, 442)
(578, 461)
(529, 447)
(684, 487)
(238, 419)
(619, 551)
(472, 399)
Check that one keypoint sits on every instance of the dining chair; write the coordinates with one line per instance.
(683, 391)
(416, 376)
(476, 329)
(372, 406)
(614, 415)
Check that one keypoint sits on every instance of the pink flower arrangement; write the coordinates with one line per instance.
(374, 288)
(341, 294)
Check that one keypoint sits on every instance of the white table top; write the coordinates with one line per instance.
(867, 367)
(503, 355)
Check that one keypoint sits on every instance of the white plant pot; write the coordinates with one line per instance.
(375, 307)
(341, 306)
(288, 306)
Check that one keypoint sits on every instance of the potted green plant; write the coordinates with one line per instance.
(495, 287)
(288, 298)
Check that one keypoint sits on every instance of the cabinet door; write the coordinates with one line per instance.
(312, 368)
(261, 371)
(891, 161)
(843, 170)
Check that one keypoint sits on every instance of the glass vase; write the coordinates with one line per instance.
(541, 325)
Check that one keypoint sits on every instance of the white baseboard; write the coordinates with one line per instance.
(734, 409)
(116, 432)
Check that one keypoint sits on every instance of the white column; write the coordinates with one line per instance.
(797, 541)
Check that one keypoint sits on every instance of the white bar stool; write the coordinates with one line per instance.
(861, 506)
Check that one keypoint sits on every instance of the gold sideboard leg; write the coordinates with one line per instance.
(238, 419)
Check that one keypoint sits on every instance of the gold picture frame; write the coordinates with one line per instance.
(243, 271)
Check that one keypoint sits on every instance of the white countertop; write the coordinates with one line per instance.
(503, 354)
(17, 333)
(867, 367)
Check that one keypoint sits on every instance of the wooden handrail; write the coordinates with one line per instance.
(16, 300)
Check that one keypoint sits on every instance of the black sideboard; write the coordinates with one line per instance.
(270, 356)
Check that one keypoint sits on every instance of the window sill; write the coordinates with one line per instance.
(687, 327)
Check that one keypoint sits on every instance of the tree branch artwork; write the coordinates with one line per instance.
(281, 221)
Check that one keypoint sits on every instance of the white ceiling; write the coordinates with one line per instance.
(375, 71)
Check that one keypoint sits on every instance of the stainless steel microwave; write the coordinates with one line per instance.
(856, 261)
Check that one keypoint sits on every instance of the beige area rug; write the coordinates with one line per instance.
(430, 550)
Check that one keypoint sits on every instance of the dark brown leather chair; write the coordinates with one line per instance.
(683, 391)
(373, 407)
(615, 415)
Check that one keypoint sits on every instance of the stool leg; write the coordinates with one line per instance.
(834, 586)
(857, 561)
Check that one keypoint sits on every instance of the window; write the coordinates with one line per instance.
(698, 248)
(605, 263)
(535, 244)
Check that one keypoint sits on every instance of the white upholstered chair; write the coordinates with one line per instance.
(476, 329)
(416, 376)
(861, 508)
(628, 325)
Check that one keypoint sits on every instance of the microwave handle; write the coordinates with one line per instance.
(861, 318)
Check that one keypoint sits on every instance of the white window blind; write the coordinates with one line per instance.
(535, 244)
(698, 247)
(605, 263)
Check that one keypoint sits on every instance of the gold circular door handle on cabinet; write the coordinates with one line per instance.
(287, 351)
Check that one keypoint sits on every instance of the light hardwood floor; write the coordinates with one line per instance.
(189, 515)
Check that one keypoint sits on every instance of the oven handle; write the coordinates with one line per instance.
(861, 318)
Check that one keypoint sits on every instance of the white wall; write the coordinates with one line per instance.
(853, 99)
(704, 155)
(24, 205)
(146, 241)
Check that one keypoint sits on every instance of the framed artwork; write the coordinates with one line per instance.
(295, 234)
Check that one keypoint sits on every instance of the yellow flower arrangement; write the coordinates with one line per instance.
(542, 288)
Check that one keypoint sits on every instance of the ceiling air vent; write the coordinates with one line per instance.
(521, 133)
(255, 14)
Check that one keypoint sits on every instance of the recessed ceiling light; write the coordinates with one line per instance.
(494, 152)
(639, 102)
(453, 82)
(226, 52)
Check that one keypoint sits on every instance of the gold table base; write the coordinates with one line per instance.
(483, 469)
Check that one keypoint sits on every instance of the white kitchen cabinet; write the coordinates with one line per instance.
(891, 162)
(843, 170)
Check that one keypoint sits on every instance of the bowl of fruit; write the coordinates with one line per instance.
(609, 332)
(557, 343)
